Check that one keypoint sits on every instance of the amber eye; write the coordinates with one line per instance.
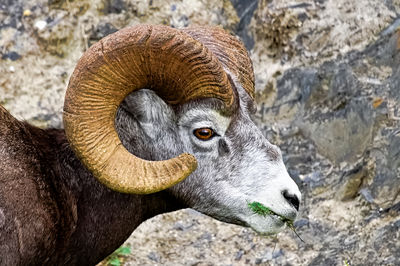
(204, 133)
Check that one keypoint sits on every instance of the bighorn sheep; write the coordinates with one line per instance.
(73, 197)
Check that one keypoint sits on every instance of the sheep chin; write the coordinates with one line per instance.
(266, 225)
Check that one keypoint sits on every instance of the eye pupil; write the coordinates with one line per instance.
(204, 133)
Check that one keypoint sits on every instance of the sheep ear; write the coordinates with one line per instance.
(146, 107)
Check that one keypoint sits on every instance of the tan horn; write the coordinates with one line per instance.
(229, 51)
(172, 63)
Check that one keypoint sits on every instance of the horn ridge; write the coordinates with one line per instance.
(230, 52)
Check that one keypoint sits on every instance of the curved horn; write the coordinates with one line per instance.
(229, 51)
(169, 61)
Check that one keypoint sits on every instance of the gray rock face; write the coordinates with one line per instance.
(328, 93)
(245, 11)
(348, 108)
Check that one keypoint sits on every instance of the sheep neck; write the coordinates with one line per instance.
(93, 219)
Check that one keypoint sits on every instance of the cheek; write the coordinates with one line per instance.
(186, 141)
(166, 146)
(194, 191)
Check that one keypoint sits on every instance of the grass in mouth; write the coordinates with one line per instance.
(261, 209)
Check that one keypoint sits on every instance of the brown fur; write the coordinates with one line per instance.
(52, 210)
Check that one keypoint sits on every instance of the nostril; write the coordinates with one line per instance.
(292, 199)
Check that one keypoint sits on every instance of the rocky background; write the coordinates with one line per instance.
(328, 92)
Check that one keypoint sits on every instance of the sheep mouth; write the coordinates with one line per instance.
(260, 209)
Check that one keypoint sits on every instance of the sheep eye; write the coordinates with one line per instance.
(204, 133)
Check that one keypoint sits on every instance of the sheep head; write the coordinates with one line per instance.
(202, 83)
(169, 61)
